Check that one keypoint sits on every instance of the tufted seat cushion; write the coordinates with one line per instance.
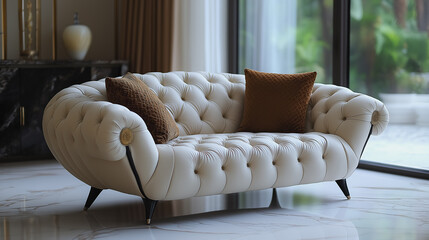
(210, 164)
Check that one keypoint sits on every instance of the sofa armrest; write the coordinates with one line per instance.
(83, 131)
(340, 111)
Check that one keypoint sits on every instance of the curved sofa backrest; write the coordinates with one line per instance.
(204, 103)
(213, 103)
(200, 102)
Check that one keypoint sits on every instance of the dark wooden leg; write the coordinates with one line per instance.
(274, 200)
(93, 194)
(149, 206)
(343, 186)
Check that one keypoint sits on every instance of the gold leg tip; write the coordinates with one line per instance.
(148, 221)
(348, 197)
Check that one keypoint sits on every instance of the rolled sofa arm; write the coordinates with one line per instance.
(340, 111)
(83, 132)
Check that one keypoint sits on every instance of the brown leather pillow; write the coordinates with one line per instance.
(134, 94)
(276, 102)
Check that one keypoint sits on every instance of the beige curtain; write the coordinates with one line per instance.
(146, 33)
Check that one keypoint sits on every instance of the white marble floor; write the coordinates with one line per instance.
(40, 200)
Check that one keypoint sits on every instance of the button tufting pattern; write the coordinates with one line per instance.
(268, 156)
(221, 95)
(83, 131)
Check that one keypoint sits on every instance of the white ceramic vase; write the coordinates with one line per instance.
(77, 39)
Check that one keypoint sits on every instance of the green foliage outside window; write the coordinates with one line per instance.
(313, 50)
(389, 46)
(388, 51)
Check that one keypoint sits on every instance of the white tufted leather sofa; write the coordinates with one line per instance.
(86, 135)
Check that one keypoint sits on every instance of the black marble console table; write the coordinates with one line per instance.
(25, 89)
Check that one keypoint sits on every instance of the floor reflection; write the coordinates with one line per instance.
(41, 200)
(234, 216)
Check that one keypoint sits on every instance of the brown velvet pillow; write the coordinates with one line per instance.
(276, 102)
(134, 94)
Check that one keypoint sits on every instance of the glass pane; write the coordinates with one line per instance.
(389, 59)
(286, 36)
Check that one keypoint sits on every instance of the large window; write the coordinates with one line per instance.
(286, 36)
(389, 59)
(384, 52)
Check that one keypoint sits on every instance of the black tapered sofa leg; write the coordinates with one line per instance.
(343, 186)
(274, 200)
(93, 194)
(149, 206)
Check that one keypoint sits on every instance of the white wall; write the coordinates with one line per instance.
(98, 15)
